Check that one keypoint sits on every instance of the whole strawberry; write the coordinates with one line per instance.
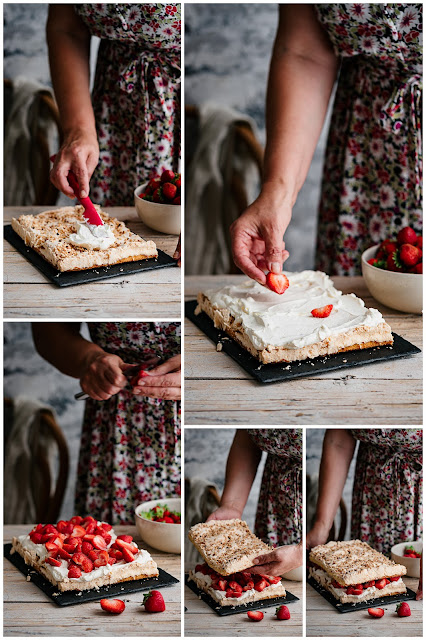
(282, 613)
(410, 255)
(169, 190)
(393, 263)
(403, 610)
(407, 235)
(154, 602)
(167, 176)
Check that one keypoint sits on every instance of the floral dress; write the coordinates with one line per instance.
(136, 95)
(372, 177)
(130, 445)
(279, 509)
(387, 503)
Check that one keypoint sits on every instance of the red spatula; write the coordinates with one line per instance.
(89, 213)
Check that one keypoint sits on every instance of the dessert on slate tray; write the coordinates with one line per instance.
(307, 318)
(83, 553)
(65, 239)
(355, 572)
(229, 548)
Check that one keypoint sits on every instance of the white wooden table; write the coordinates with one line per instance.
(201, 620)
(219, 391)
(28, 611)
(322, 619)
(155, 294)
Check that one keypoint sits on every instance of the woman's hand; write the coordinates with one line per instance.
(163, 381)
(102, 375)
(80, 153)
(279, 561)
(317, 535)
(225, 513)
(257, 236)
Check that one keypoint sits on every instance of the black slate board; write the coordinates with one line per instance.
(281, 372)
(241, 608)
(68, 598)
(348, 607)
(71, 278)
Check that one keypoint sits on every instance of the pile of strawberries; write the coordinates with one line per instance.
(83, 544)
(357, 589)
(235, 584)
(164, 189)
(410, 552)
(403, 254)
(161, 513)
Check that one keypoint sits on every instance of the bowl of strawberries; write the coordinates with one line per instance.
(159, 524)
(157, 202)
(393, 270)
(409, 555)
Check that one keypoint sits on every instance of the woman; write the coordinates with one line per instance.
(130, 443)
(372, 172)
(279, 510)
(387, 503)
(130, 129)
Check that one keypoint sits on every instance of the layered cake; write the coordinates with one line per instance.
(69, 243)
(354, 572)
(283, 328)
(229, 548)
(82, 554)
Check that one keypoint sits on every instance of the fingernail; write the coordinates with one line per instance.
(136, 392)
(140, 383)
(255, 561)
(83, 194)
(276, 267)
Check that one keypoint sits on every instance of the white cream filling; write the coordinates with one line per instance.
(222, 594)
(338, 593)
(92, 236)
(60, 573)
(285, 320)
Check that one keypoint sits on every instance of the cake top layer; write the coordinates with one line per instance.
(271, 319)
(353, 562)
(63, 231)
(227, 546)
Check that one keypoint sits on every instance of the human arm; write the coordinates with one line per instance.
(279, 561)
(243, 459)
(301, 78)
(68, 41)
(163, 381)
(337, 452)
(60, 343)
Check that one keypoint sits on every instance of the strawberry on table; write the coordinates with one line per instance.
(277, 282)
(282, 613)
(376, 612)
(403, 610)
(255, 615)
(322, 312)
(113, 606)
(154, 602)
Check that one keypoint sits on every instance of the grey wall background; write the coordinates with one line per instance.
(314, 438)
(227, 52)
(206, 452)
(26, 373)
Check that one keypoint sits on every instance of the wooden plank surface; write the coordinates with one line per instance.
(28, 611)
(323, 620)
(200, 620)
(155, 294)
(219, 391)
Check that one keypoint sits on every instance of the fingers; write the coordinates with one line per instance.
(266, 569)
(79, 156)
(274, 247)
(176, 255)
(172, 364)
(267, 558)
(161, 393)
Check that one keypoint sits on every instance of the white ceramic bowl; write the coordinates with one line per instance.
(161, 217)
(412, 564)
(401, 291)
(160, 535)
(295, 574)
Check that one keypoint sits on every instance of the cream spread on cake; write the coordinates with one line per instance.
(269, 318)
(326, 580)
(92, 236)
(219, 595)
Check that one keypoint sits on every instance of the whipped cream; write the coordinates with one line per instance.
(285, 320)
(222, 594)
(342, 592)
(60, 573)
(92, 236)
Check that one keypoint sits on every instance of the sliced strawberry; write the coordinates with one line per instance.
(230, 593)
(274, 579)
(102, 560)
(58, 541)
(65, 527)
(113, 606)
(49, 528)
(277, 282)
(128, 539)
(99, 542)
(261, 585)
(112, 560)
(51, 546)
(322, 312)
(125, 545)
(76, 520)
(74, 571)
(36, 537)
(371, 583)
(255, 615)
(235, 586)
(64, 554)
(39, 528)
(249, 586)
(88, 537)
(53, 561)
(337, 585)
(86, 547)
(202, 568)
(394, 578)
(83, 561)
(376, 612)
(381, 584)
(91, 527)
(128, 555)
(222, 584)
(93, 554)
(78, 531)
(106, 526)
